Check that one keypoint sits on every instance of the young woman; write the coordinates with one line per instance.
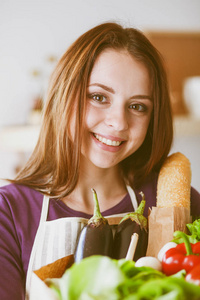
(107, 125)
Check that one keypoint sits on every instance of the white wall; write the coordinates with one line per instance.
(190, 147)
(31, 30)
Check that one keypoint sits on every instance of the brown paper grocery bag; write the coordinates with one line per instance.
(55, 269)
(162, 223)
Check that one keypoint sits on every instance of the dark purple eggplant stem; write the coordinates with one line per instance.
(97, 219)
(137, 215)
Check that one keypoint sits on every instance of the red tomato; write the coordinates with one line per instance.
(190, 261)
(194, 275)
(172, 261)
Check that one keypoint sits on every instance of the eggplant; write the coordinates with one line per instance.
(96, 238)
(132, 223)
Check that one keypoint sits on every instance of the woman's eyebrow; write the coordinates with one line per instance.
(105, 87)
(141, 97)
(111, 90)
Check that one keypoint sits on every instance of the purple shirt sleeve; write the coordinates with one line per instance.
(12, 281)
(17, 231)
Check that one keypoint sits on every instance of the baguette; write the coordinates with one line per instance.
(174, 182)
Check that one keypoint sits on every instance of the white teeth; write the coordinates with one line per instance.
(107, 141)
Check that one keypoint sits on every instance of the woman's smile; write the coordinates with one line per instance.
(111, 144)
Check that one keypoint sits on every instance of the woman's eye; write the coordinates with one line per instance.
(138, 107)
(98, 98)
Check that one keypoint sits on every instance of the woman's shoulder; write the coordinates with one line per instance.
(195, 202)
(19, 198)
(18, 191)
(20, 208)
(194, 193)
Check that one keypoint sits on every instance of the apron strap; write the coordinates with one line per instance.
(132, 196)
(45, 208)
(43, 218)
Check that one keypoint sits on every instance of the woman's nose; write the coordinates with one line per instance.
(117, 118)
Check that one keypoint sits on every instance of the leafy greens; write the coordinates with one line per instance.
(194, 233)
(99, 277)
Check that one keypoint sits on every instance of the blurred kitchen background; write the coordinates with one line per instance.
(35, 33)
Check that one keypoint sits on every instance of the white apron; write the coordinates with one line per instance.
(56, 239)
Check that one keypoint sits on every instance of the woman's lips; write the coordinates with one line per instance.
(108, 144)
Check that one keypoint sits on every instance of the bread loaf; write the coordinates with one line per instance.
(174, 182)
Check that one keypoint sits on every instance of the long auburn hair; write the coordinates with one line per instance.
(53, 167)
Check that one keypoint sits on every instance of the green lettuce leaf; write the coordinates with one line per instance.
(93, 277)
(194, 229)
(194, 233)
(168, 288)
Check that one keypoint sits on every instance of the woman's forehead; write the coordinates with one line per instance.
(117, 67)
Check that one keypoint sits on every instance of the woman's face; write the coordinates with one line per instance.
(118, 111)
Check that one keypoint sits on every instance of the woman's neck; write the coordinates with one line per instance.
(108, 183)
